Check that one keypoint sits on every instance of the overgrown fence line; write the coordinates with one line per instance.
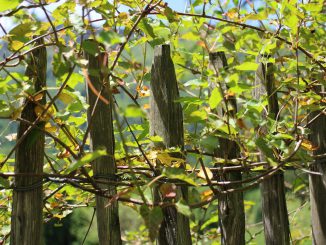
(274, 210)
(100, 125)
(166, 121)
(27, 206)
(317, 183)
(230, 206)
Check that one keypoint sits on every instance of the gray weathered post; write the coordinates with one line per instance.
(318, 183)
(166, 121)
(26, 219)
(102, 135)
(230, 206)
(274, 210)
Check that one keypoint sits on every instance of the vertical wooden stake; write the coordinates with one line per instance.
(230, 206)
(102, 134)
(275, 216)
(26, 219)
(318, 183)
(166, 121)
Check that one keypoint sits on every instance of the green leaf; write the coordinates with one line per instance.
(209, 142)
(180, 174)
(183, 208)
(215, 98)
(170, 14)
(147, 28)
(263, 146)
(153, 219)
(4, 183)
(190, 100)
(156, 138)
(111, 38)
(247, 66)
(196, 83)
(134, 111)
(34, 135)
(212, 220)
(90, 47)
(89, 157)
(194, 196)
(7, 5)
(156, 41)
(20, 34)
(196, 116)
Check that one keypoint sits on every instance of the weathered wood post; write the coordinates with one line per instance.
(26, 219)
(102, 135)
(166, 121)
(230, 206)
(318, 183)
(274, 210)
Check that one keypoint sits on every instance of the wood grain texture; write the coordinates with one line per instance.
(230, 206)
(102, 135)
(26, 219)
(274, 210)
(166, 121)
(317, 183)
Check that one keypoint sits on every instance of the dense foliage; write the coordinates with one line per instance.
(287, 34)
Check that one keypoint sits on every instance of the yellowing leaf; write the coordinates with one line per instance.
(232, 13)
(16, 45)
(58, 195)
(50, 128)
(167, 160)
(202, 175)
(54, 205)
(66, 98)
(123, 16)
(201, 44)
(229, 94)
(39, 111)
(38, 97)
(146, 106)
(206, 195)
(308, 145)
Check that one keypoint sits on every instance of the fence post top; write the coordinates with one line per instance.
(162, 50)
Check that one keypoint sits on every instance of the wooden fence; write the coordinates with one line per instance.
(166, 121)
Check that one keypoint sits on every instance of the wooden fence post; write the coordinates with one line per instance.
(230, 206)
(274, 210)
(166, 121)
(318, 183)
(102, 134)
(26, 219)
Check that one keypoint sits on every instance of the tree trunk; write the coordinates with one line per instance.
(166, 121)
(318, 183)
(26, 219)
(230, 206)
(274, 211)
(102, 135)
